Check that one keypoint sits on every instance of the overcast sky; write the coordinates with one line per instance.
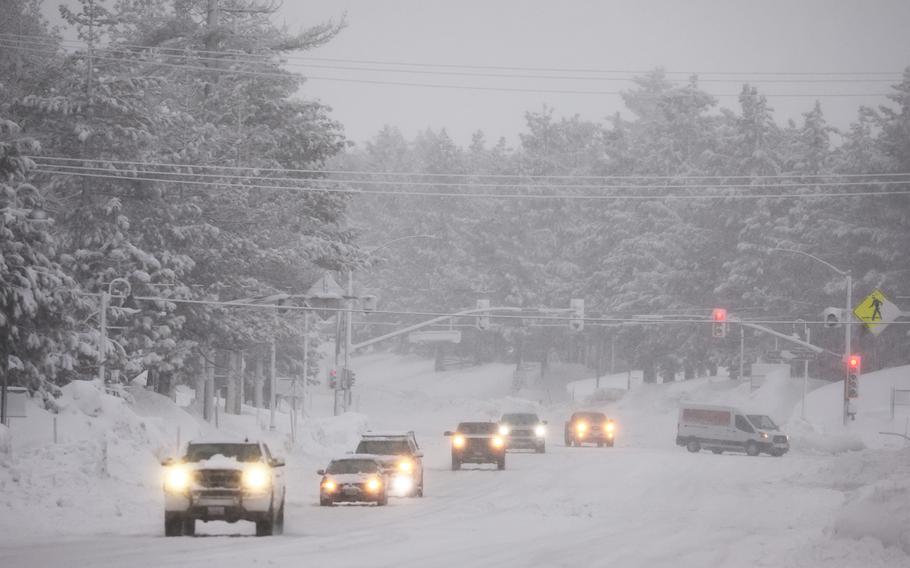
(749, 37)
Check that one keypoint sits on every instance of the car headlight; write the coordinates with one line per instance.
(540, 431)
(504, 430)
(497, 442)
(403, 484)
(610, 426)
(177, 479)
(405, 466)
(373, 485)
(329, 486)
(458, 441)
(256, 478)
(764, 435)
(581, 427)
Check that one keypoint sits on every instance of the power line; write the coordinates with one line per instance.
(462, 175)
(183, 50)
(399, 183)
(531, 196)
(289, 74)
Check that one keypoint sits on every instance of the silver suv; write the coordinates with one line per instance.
(224, 481)
(401, 459)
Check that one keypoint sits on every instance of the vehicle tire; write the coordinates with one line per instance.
(501, 464)
(718, 452)
(600, 444)
(610, 443)
(420, 487)
(266, 527)
(541, 449)
(693, 445)
(324, 502)
(383, 500)
(777, 453)
(173, 524)
(456, 464)
(752, 448)
(189, 527)
(279, 521)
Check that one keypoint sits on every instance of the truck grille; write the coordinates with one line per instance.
(780, 439)
(522, 433)
(219, 478)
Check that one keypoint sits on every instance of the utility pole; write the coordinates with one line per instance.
(306, 353)
(848, 330)
(347, 340)
(272, 381)
(742, 350)
(102, 337)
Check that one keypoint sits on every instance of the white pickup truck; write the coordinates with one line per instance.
(224, 481)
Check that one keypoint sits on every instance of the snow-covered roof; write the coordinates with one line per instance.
(359, 457)
(387, 434)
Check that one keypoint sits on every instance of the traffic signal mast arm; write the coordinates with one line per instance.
(790, 338)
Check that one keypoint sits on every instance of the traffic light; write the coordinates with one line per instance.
(577, 320)
(483, 320)
(854, 368)
(347, 378)
(833, 317)
(333, 379)
(719, 323)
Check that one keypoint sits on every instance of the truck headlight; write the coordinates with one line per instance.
(329, 486)
(504, 430)
(610, 426)
(540, 431)
(764, 435)
(458, 441)
(256, 478)
(405, 466)
(177, 479)
(403, 484)
(373, 485)
(497, 442)
(581, 427)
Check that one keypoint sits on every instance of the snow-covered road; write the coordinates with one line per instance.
(645, 502)
(569, 507)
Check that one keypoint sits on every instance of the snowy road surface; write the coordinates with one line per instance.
(569, 507)
(643, 503)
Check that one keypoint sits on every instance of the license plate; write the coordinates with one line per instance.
(216, 510)
(351, 491)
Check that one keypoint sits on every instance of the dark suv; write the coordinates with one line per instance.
(590, 428)
(477, 442)
(524, 430)
(401, 458)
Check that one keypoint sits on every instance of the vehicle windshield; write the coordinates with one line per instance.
(240, 452)
(761, 421)
(384, 447)
(590, 417)
(353, 466)
(478, 428)
(523, 419)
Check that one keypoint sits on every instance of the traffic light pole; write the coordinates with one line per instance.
(848, 330)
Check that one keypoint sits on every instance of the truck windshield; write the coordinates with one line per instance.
(383, 447)
(520, 419)
(240, 452)
(761, 421)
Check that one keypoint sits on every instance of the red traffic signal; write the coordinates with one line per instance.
(719, 325)
(854, 362)
(720, 315)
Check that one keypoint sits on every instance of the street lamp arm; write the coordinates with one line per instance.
(825, 262)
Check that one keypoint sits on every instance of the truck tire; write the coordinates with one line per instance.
(420, 487)
(456, 464)
(326, 502)
(693, 445)
(541, 449)
(600, 444)
(383, 500)
(279, 521)
(501, 464)
(189, 527)
(718, 452)
(173, 524)
(752, 448)
(266, 526)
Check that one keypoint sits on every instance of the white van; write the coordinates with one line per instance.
(724, 428)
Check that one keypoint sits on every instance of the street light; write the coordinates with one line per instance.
(848, 328)
(350, 306)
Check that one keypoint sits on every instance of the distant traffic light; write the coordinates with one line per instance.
(854, 369)
(577, 319)
(333, 379)
(833, 317)
(719, 323)
(483, 320)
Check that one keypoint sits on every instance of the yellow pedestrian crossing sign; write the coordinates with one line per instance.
(876, 311)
